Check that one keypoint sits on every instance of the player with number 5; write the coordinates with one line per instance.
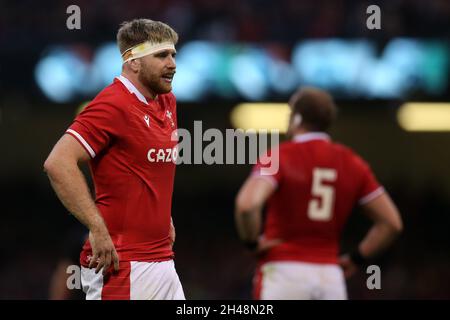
(308, 202)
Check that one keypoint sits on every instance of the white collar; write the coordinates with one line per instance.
(127, 83)
(304, 137)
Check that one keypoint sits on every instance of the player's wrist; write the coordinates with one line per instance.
(357, 258)
(251, 245)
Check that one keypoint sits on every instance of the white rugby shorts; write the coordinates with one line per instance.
(134, 281)
(291, 280)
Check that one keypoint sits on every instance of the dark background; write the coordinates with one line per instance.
(211, 263)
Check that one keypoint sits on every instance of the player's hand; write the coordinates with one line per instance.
(347, 266)
(266, 244)
(103, 251)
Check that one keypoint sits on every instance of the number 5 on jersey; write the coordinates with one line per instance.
(321, 209)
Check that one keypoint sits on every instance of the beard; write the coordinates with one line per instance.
(153, 82)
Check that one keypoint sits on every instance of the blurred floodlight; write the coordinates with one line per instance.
(424, 116)
(261, 116)
(108, 62)
(346, 68)
(282, 77)
(334, 64)
(247, 75)
(57, 74)
(196, 62)
(187, 85)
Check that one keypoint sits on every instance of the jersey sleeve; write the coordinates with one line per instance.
(96, 126)
(369, 188)
(269, 167)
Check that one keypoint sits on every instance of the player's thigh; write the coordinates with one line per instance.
(155, 281)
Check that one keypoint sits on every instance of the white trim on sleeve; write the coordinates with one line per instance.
(369, 197)
(83, 142)
(269, 179)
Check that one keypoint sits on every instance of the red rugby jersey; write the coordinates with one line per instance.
(318, 184)
(129, 140)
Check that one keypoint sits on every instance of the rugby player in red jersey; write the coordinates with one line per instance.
(125, 135)
(308, 202)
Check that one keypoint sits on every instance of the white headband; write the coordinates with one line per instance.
(144, 49)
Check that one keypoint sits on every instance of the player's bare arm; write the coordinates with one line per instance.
(387, 226)
(248, 214)
(172, 232)
(71, 188)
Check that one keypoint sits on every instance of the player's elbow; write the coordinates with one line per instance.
(394, 225)
(49, 165)
(396, 222)
(53, 165)
(245, 205)
(397, 226)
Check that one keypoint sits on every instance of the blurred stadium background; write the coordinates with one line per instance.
(234, 51)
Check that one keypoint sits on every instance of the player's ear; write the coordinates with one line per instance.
(297, 120)
(135, 65)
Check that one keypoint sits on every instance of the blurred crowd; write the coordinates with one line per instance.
(221, 20)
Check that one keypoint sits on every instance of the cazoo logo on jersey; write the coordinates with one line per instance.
(162, 154)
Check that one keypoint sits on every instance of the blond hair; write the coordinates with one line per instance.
(132, 33)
